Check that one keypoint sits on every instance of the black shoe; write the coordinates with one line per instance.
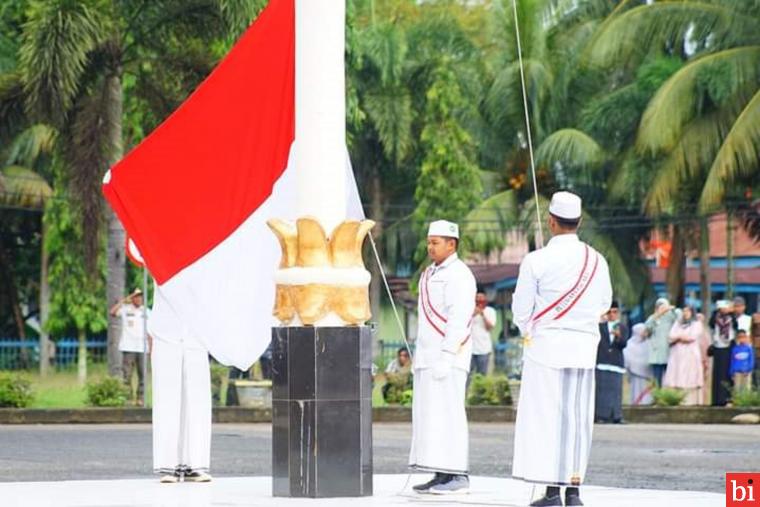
(548, 501)
(439, 478)
(573, 496)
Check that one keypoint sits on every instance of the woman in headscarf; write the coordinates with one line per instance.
(684, 369)
(723, 325)
(637, 365)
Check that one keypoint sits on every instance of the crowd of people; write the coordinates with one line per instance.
(677, 348)
(707, 360)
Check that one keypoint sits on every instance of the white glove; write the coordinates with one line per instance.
(443, 367)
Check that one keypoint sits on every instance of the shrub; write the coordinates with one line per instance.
(406, 398)
(667, 397)
(485, 390)
(398, 389)
(747, 398)
(15, 390)
(107, 392)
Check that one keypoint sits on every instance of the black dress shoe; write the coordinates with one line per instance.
(547, 501)
(424, 488)
(573, 500)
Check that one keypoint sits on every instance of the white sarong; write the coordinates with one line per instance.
(181, 407)
(555, 421)
(440, 442)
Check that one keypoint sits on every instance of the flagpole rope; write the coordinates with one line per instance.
(540, 237)
(390, 296)
(400, 327)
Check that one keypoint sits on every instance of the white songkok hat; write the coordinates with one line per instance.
(723, 303)
(443, 228)
(565, 205)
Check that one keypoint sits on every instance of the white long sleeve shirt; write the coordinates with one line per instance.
(567, 335)
(446, 304)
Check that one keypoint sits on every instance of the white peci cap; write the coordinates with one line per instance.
(443, 228)
(565, 205)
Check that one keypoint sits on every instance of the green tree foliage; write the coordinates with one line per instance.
(77, 298)
(644, 108)
(448, 186)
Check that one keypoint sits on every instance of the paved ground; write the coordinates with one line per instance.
(667, 457)
(389, 490)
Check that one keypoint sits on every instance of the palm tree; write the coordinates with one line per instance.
(23, 186)
(560, 94)
(394, 49)
(74, 61)
(701, 128)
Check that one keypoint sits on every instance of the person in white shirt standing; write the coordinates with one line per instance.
(440, 442)
(132, 342)
(483, 322)
(562, 291)
(743, 321)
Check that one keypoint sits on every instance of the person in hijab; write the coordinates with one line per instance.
(723, 324)
(658, 326)
(636, 355)
(684, 369)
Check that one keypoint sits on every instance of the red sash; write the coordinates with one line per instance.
(567, 301)
(434, 317)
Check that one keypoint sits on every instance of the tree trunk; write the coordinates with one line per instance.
(376, 284)
(82, 358)
(44, 305)
(704, 266)
(676, 275)
(116, 265)
(10, 283)
(730, 275)
(6, 273)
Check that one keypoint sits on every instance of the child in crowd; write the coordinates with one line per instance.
(742, 361)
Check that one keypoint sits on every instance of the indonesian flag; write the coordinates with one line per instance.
(195, 195)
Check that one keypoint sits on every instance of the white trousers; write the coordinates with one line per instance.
(181, 407)
(440, 442)
(555, 422)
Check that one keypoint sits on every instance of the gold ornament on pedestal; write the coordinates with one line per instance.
(321, 276)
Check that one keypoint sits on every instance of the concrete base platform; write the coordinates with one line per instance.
(256, 491)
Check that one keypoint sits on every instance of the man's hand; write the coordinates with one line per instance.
(442, 368)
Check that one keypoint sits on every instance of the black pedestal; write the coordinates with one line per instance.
(321, 412)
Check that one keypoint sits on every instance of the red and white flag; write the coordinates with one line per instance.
(195, 195)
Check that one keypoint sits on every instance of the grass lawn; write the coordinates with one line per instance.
(61, 389)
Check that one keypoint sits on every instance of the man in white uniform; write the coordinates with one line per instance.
(442, 360)
(562, 291)
(132, 342)
(181, 399)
